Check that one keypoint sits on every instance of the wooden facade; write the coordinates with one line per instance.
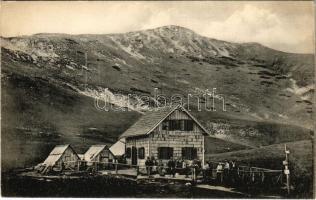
(98, 153)
(177, 135)
(62, 155)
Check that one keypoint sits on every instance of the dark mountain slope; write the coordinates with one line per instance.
(38, 115)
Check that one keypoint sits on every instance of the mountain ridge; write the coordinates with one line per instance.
(172, 27)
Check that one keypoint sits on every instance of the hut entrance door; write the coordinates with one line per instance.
(134, 156)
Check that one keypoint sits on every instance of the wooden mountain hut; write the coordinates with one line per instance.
(99, 154)
(165, 133)
(62, 156)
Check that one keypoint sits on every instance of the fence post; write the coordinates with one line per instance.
(78, 166)
(286, 169)
(193, 174)
(115, 168)
(137, 170)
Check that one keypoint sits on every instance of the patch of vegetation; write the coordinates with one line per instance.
(215, 145)
(300, 158)
(117, 68)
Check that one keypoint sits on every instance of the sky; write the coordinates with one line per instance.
(286, 26)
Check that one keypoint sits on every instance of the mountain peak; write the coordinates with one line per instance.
(173, 28)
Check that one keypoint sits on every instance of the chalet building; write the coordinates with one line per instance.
(98, 153)
(165, 133)
(62, 155)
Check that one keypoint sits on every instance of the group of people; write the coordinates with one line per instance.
(226, 172)
(172, 166)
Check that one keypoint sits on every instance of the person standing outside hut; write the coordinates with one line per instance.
(179, 168)
(196, 166)
(62, 166)
(219, 173)
(234, 173)
(161, 168)
(148, 166)
(153, 164)
(206, 172)
(171, 166)
(186, 169)
(226, 172)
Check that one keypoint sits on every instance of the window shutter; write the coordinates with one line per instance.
(183, 153)
(194, 153)
(188, 125)
(165, 125)
(141, 153)
(172, 125)
(182, 124)
(170, 153)
(128, 153)
(159, 153)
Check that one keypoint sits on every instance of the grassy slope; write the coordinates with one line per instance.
(215, 145)
(267, 132)
(39, 115)
(301, 161)
(301, 155)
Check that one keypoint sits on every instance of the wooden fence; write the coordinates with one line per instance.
(115, 167)
(242, 174)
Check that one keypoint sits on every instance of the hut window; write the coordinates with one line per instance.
(174, 125)
(67, 158)
(165, 152)
(187, 125)
(103, 157)
(165, 125)
(183, 125)
(141, 153)
(189, 153)
(128, 152)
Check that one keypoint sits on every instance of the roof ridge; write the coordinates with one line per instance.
(94, 145)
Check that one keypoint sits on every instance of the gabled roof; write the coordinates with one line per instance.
(81, 156)
(56, 154)
(94, 151)
(118, 149)
(148, 122)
